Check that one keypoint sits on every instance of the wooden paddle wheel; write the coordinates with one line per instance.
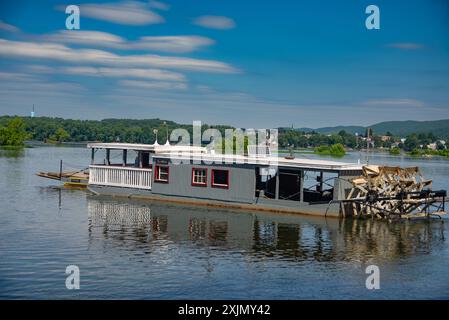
(392, 193)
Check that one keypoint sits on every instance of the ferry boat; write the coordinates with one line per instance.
(256, 181)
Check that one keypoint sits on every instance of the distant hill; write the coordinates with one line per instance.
(328, 130)
(439, 128)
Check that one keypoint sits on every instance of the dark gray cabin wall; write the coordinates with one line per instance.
(242, 182)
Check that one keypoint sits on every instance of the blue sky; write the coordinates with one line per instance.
(245, 63)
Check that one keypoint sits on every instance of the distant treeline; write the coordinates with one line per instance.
(300, 139)
(143, 131)
(107, 130)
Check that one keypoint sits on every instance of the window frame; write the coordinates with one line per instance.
(220, 186)
(198, 184)
(156, 173)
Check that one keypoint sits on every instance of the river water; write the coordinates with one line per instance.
(142, 250)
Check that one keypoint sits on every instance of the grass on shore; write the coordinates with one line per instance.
(6, 147)
(418, 153)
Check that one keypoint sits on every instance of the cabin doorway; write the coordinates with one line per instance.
(283, 184)
(308, 186)
(319, 186)
(289, 185)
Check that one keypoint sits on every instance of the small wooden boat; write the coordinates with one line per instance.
(78, 179)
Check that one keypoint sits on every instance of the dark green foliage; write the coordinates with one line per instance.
(299, 139)
(107, 130)
(13, 133)
(336, 150)
(395, 151)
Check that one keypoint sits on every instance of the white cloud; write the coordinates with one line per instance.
(406, 46)
(8, 27)
(153, 85)
(95, 38)
(58, 52)
(153, 74)
(41, 69)
(176, 44)
(24, 82)
(394, 102)
(159, 5)
(126, 12)
(16, 76)
(214, 22)
(173, 44)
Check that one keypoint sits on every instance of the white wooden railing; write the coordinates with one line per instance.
(125, 177)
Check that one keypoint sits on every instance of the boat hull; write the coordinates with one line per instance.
(267, 205)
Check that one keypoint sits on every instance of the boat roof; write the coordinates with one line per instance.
(186, 153)
(155, 147)
(300, 163)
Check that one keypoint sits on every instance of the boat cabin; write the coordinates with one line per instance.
(189, 172)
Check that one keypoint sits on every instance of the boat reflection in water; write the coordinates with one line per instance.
(258, 235)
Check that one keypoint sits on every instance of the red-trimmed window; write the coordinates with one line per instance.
(161, 174)
(220, 178)
(199, 177)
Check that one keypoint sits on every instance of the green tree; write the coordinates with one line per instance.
(411, 142)
(60, 135)
(441, 146)
(335, 150)
(14, 134)
(395, 151)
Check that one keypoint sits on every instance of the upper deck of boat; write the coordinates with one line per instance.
(154, 148)
(188, 153)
